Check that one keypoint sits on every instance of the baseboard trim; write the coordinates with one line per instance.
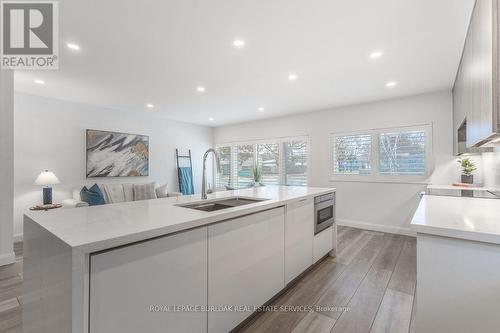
(8, 258)
(18, 238)
(377, 227)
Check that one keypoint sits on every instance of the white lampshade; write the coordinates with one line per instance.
(46, 178)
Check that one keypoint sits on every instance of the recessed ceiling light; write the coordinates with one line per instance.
(239, 43)
(211, 119)
(38, 81)
(73, 46)
(376, 54)
(200, 89)
(292, 76)
(261, 109)
(150, 106)
(391, 84)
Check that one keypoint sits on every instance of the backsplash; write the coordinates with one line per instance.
(491, 169)
(487, 173)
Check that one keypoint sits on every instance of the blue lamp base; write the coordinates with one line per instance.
(47, 195)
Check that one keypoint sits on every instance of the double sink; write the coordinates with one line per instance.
(215, 205)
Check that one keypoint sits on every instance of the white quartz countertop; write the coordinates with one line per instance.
(461, 188)
(91, 229)
(474, 219)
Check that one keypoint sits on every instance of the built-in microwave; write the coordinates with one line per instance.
(324, 212)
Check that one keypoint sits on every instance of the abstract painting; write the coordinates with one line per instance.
(112, 154)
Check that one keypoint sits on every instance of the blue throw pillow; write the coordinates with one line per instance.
(93, 196)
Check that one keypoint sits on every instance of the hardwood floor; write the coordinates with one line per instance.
(11, 277)
(368, 288)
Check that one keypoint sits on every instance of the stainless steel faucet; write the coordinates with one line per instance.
(204, 180)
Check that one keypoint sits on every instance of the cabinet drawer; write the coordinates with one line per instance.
(300, 203)
(323, 243)
(169, 271)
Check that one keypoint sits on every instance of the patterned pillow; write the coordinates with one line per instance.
(93, 196)
(161, 191)
(114, 192)
(144, 191)
(128, 189)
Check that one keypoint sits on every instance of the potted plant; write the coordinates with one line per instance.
(257, 175)
(467, 168)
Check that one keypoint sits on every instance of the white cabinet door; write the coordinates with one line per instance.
(323, 243)
(474, 92)
(131, 287)
(245, 266)
(479, 47)
(299, 233)
(457, 285)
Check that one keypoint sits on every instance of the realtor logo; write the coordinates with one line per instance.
(29, 32)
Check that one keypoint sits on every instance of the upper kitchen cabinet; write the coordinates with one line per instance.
(475, 93)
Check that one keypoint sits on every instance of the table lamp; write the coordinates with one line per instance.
(47, 178)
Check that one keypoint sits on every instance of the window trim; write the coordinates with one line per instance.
(280, 141)
(375, 176)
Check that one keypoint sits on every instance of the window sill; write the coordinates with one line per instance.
(382, 181)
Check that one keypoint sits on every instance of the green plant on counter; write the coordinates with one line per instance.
(467, 166)
(257, 174)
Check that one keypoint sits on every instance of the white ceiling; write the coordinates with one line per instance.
(158, 51)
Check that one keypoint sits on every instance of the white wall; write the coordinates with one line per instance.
(383, 206)
(6, 165)
(50, 134)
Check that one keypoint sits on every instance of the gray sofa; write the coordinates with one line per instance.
(128, 194)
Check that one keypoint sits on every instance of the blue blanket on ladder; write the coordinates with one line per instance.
(186, 180)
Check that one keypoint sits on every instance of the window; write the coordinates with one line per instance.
(224, 177)
(295, 155)
(383, 154)
(402, 153)
(244, 165)
(268, 159)
(352, 154)
(281, 161)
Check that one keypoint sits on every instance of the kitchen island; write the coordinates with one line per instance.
(161, 266)
(458, 271)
